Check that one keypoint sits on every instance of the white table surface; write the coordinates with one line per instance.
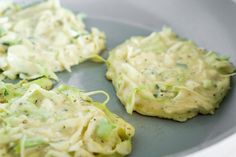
(225, 148)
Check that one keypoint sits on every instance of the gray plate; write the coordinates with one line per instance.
(210, 23)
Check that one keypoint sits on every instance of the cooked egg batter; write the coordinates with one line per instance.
(63, 122)
(42, 39)
(163, 75)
